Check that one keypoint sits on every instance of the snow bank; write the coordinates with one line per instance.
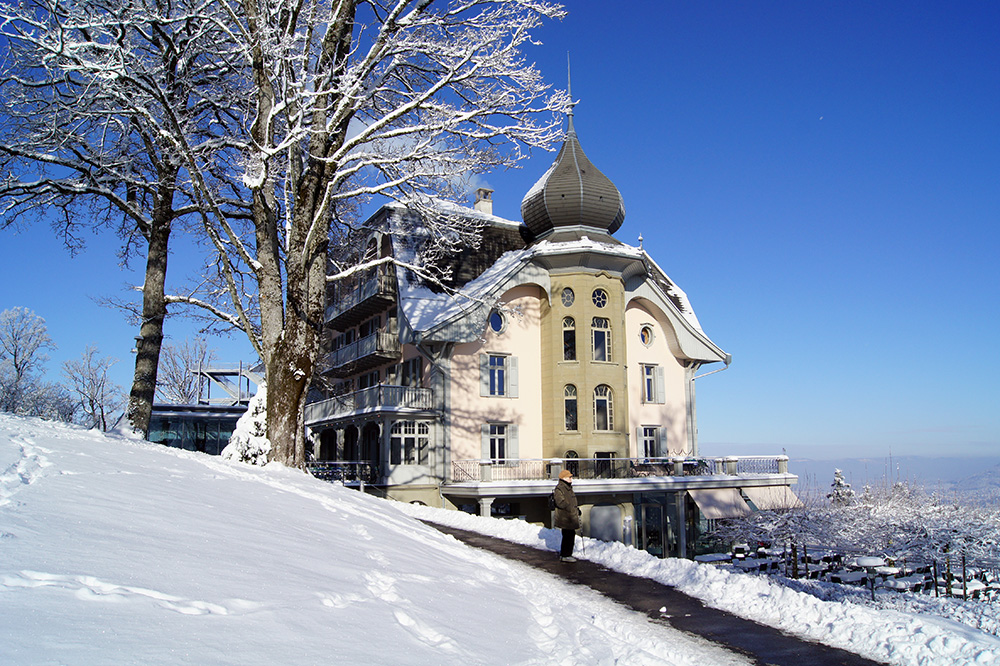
(122, 552)
(896, 629)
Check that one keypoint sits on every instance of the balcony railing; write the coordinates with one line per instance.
(613, 468)
(348, 473)
(376, 349)
(370, 399)
(367, 295)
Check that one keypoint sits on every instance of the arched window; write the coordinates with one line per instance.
(569, 339)
(569, 402)
(601, 334)
(603, 408)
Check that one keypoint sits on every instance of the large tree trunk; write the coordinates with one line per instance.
(292, 312)
(154, 311)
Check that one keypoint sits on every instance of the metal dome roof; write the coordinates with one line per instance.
(572, 193)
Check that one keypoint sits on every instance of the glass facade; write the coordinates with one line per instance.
(205, 429)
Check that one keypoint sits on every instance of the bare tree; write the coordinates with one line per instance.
(23, 341)
(98, 397)
(179, 381)
(351, 100)
(344, 101)
(97, 96)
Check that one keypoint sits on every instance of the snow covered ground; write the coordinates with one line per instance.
(116, 552)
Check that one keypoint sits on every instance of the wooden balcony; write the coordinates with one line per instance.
(364, 354)
(355, 300)
(374, 399)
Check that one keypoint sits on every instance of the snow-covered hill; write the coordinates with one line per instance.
(118, 552)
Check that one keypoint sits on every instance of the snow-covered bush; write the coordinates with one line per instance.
(899, 520)
(249, 443)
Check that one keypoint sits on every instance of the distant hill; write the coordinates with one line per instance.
(973, 479)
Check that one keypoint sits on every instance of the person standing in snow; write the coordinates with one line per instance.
(567, 514)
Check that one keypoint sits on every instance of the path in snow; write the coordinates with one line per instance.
(664, 604)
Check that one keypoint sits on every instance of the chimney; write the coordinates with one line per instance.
(484, 200)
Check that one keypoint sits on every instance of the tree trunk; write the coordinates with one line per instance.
(154, 310)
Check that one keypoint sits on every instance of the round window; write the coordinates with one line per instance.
(646, 335)
(568, 297)
(497, 322)
(600, 298)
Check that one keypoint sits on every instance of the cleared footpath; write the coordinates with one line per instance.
(765, 645)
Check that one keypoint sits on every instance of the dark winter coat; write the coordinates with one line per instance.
(567, 509)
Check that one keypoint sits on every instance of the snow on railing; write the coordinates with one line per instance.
(757, 465)
(612, 468)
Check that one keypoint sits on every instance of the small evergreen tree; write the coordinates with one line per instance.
(842, 493)
(249, 443)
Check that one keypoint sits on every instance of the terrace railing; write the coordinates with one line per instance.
(612, 468)
(347, 472)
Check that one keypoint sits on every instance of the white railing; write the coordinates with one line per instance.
(613, 468)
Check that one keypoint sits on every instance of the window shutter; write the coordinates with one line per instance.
(512, 443)
(512, 376)
(484, 375)
(661, 442)
(486, 441)
(639, 452)
(661, 392)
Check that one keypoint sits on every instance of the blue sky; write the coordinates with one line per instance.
(821, 178)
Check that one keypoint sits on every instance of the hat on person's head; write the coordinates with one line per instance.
(565, 474)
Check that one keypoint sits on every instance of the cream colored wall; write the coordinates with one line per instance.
(584, 373)
(469, 410)
(672, 414)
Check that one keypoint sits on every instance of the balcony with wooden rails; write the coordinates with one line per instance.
(401, 399)
(354, 300)
(369, 352)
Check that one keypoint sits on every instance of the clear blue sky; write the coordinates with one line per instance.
(823, 180)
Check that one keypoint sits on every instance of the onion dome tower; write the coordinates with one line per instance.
(573, 195)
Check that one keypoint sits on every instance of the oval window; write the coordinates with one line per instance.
(497, 322)
(600, 298)
(568, 297)
(646, 335)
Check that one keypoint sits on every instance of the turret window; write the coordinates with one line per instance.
(600, 298)
(569, 339)
(569, 402)
(601, 334)
(603, 408)
(568, 297)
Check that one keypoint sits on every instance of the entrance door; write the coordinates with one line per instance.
(651, 537)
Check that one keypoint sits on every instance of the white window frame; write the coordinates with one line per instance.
(498, 380)
(653, 384)
(570, 393)
(603, 393)
(652, 440)
(601, 327)
(569, 333)
(499, 435)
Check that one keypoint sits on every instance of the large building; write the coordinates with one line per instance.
(554, 345)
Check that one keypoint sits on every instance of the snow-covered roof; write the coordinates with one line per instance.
(430, 314)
